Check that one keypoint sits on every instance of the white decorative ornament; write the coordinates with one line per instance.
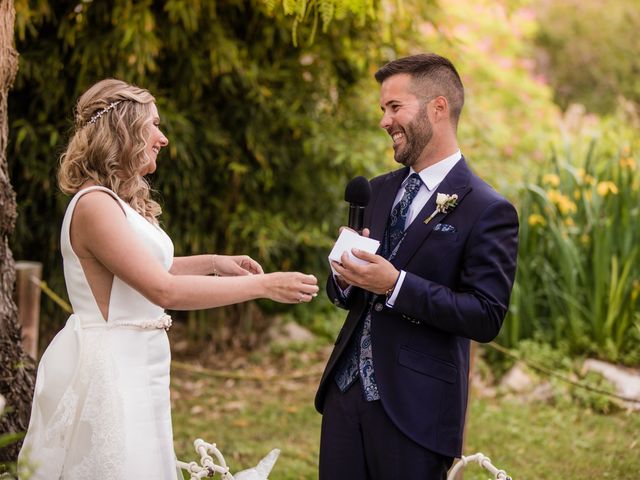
(164, 321)
(94, 118)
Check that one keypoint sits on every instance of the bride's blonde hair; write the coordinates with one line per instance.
(108, 145)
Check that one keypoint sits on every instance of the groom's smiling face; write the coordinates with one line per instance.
(405, 119)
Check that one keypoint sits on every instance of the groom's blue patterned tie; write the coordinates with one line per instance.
(398, 217)
(358, 357)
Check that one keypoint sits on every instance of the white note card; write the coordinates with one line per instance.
(349, 239)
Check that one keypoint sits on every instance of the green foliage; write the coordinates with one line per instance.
(590, 49)
(578, 280)
(7, 439)
(326, 10)
(263, 136)
(595, 401)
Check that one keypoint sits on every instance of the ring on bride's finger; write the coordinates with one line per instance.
(300, 299)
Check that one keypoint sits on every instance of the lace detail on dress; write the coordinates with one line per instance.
(48, 455)
(100, 421)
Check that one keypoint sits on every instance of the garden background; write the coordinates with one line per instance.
(271, 107)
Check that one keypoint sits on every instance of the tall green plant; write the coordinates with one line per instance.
(578, 280)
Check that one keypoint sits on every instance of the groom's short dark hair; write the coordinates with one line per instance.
(432, 76)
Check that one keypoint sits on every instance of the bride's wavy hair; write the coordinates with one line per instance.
(108, 144)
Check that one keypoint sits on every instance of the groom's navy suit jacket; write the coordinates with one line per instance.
(460, 269)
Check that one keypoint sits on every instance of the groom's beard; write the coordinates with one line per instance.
(417, 136)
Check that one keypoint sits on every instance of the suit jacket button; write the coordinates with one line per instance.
(378, 307)
(336, 301)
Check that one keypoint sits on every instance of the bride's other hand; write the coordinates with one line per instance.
(236, 265)
(291, 287)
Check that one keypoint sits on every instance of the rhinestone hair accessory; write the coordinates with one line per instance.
(94, 118)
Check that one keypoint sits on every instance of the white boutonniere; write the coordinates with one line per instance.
(443, 203)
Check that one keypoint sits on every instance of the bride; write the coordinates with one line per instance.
(101, 407)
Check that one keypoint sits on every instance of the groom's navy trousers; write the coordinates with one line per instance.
(460, 267)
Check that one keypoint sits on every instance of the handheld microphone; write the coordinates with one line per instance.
(357, 193)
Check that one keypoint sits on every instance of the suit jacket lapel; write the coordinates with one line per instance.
(456, 182)
(384, 202)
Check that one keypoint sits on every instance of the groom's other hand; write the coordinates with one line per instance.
(378, 276)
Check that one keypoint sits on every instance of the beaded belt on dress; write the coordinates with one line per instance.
(163, 321)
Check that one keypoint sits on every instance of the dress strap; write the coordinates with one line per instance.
(84, 191)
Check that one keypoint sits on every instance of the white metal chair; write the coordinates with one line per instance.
(208, 468)
(483, 461)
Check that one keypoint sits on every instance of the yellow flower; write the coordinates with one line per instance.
(569, 222)
(554, 195)
(564, 203)
(577, 194)
(629, 163)
(606, 187)
(537, 219)
(588, 195)
(551, 179)
(567, 206)
(589, 180)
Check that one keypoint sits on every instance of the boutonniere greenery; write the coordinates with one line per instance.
(443, 203)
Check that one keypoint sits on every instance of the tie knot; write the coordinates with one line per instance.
(413, 183)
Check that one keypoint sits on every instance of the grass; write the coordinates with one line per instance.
(247, 418)
(539, 441)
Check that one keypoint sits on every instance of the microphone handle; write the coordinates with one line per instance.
(356, 217)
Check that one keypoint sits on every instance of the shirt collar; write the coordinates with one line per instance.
(433, 175)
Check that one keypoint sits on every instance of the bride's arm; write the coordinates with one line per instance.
(224, 265)
(106, 235)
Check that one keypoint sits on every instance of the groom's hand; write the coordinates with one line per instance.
(377, 276)
(342, 283)
(365, 231)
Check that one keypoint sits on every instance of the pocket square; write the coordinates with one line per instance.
(445, 228)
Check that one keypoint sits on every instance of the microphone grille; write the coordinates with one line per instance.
(358, 191)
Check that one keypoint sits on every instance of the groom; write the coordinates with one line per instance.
(394, 392)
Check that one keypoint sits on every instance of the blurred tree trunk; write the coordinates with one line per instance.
(16, 369)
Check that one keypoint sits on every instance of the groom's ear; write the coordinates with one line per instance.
(438, 109)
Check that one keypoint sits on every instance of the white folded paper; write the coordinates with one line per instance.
(348, 240)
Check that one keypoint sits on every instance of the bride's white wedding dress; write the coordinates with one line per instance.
(101, 408)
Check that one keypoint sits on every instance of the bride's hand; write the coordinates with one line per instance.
(291, 287)
(236, 265)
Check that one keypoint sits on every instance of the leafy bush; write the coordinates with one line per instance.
(263, 136)
(590, 52)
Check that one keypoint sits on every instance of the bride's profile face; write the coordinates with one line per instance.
(155, 141)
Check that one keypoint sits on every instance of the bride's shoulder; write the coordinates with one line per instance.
(97, 203)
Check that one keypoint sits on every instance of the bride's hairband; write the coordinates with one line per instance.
(94, 118)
